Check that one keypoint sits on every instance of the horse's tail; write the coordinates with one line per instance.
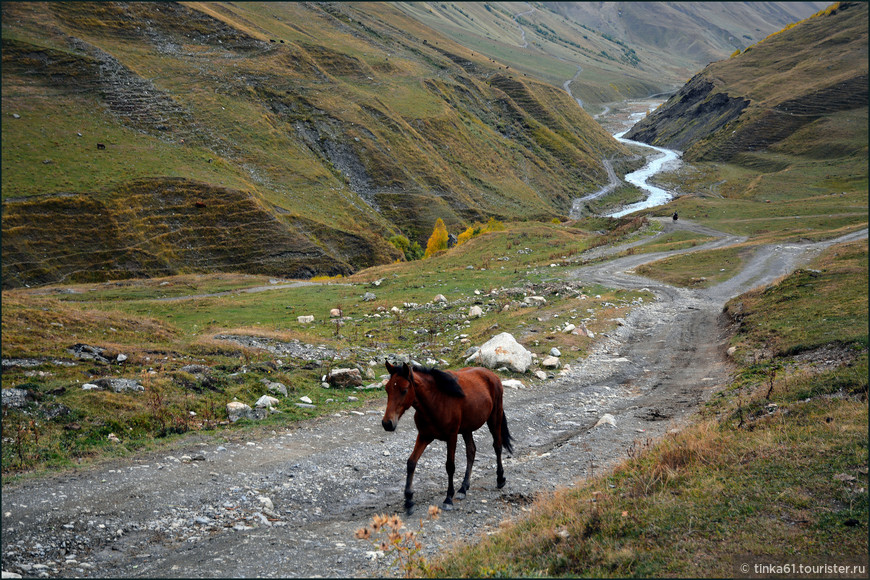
(506, 438)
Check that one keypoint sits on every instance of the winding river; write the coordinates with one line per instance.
(658, 159)
(662, 159)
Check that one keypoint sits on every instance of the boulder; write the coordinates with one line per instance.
(88, 352)
(368, 297)
(335, 313)
(513, 384)
(569, 328)
(503, 350)
(440, 299)
(475, 312)
(534, 300)
(305, 319)
(541, 375)
(555, 352)
(344, 378)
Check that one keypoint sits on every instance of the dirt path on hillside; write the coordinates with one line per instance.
(199, 513)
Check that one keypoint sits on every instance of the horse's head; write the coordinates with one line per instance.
(400, 394)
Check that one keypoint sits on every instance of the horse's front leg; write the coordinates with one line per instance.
(470, 451)
(419, 447)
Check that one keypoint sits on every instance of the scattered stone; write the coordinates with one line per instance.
(119, 385)
(335, 313)
(305, 319)
(16, 397)
(305, 405)
(88, 352)
(344, 378)
(121, 358)
(551, 362)
(91, 387)
(368, 297)
(569, 328)
(534, 300)
(267, 402)
(606, 419)
(305, 400)
(275, 387)
(113, 438)
(541, 375)
(475, 312)
(555, 352)
(237, 410)
(440, 299)
(731, 350)
(503, 350)
(513, 384)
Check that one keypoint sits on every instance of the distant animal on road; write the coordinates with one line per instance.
(446, 405)
(676, 217)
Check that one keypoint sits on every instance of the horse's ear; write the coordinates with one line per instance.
(406, 371)
(390, 368)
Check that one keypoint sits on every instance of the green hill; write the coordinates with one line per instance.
(798, 93)
(145, 139)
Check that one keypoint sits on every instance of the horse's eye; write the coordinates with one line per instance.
(403, 392)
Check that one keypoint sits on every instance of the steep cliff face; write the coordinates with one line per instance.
(803, 77)
(341, 124)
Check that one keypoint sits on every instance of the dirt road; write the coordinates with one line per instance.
(288, 504)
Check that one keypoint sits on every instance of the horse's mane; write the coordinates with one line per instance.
(445, 382)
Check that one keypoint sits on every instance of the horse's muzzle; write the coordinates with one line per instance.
(388, 425)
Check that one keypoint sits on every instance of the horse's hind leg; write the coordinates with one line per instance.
(470, 451)
(494, 424)
(419, 447)
(451, 469)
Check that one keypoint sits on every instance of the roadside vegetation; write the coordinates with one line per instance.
(162, 325)
(773, 471)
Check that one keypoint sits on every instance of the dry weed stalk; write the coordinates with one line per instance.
(384, 532)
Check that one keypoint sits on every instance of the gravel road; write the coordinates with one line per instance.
(287, 504)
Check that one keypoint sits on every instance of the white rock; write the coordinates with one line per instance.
(335, 313)
(305, 400)
(541, 375)
(606, 419)
(265, 502)
(266, 401)
(475, 312)
(305, 319)
(439, 298)
(91, 387)
(569, 328)
(555, 352)
(121, 357)
(535, 300)
(237, 410)
(503, 350)
(551, 362)
(513, 384)
(731, 350)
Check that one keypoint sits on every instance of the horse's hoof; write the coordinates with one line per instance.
(446, 506)
(460, 495)
(501, 482)
(409, 511)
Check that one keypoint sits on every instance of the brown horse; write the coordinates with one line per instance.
(448, 404)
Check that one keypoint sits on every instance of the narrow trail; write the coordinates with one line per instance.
(159, 516)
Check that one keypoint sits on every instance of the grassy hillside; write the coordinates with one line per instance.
(338, 124)
(794, 93)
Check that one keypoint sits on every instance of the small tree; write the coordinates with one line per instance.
(438, 240)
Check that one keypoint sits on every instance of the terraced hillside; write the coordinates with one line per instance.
(294, 139)
(801, 92)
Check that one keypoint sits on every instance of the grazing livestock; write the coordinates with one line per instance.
(101, 146)
(446, 405)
